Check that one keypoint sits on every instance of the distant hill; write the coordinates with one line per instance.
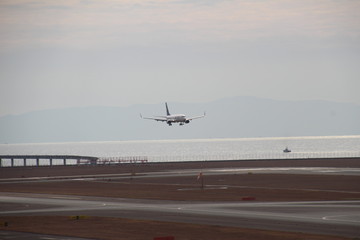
(236, 117)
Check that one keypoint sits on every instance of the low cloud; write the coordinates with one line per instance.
(94, 23)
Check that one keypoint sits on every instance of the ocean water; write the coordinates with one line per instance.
(199, 149)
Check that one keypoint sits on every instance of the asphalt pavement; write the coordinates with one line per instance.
(10, 235)
(340, 218)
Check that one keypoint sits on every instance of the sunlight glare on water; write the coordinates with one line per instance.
(200, 149)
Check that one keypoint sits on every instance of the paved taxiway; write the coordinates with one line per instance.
(195, 172)
(9, 235)
(327, 217)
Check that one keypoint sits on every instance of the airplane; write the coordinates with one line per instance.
(173, 118)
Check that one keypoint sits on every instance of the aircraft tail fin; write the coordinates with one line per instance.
(167, 110)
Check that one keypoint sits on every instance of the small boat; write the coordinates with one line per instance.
(286, 150)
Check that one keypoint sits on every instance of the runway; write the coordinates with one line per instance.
(341, 218)
(194, 172)
(4, 235)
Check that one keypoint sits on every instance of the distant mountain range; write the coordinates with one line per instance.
(236, 117)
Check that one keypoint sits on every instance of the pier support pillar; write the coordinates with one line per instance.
(37, 162)
(24, 162)
(64, 161)
(12, 162)
(51, 162)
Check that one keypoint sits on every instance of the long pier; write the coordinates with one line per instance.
(49, 158)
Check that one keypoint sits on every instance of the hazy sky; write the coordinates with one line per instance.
(70, 53)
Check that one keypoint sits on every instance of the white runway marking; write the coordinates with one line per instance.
(324, 170)
(315, 216)
(70, 198)
(341, 218)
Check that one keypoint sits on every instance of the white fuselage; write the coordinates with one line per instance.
(176, 118)
(173, 118)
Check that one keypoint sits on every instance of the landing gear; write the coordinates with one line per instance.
(181, 124)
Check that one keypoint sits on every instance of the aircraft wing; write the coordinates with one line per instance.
(157, 118)
(192, 118)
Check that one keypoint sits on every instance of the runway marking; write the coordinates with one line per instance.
(292, 189)
(250, 214)
(329, 218)
(205, 188)
(70, 198)
(341, 170)
(293, 169)
(83, 179)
